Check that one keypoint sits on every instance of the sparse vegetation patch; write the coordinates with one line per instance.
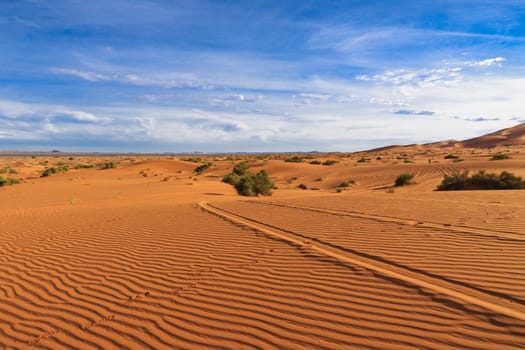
(499, 157)
(346, 184)
(404, 179)
(8, 170)
(8, 181)
(54, 170)
(294, 159)
(107, 165)
(451, 156)
(481, 181)
(83, 166)
(192, 159)
(201, 168)
(248, 184)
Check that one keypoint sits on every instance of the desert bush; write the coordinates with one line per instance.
(455, 181)
(248, 184)
(255, 184)
(54, 169)
(8, 181)
(348, 183)
(315, 162)
(404, 179)
(241, 168)
(107, 165)
(363, 160)
(8, 170)
(451, 156)
(192, 159)
(302, 186)
(201, 168)
(48, 171)
(499, 157)
(294, 159)
(481, 181)
(231, 179)
(83, 166)
(329, 162)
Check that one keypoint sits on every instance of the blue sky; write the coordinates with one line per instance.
(223, 76)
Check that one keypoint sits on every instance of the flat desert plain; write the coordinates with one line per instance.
(150, 255)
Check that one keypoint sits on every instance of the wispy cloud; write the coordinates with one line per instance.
(423, 77)
(167, 81)
(89, 76)
(412, 112)
(451, 73)
(486, 63)
(481, 119)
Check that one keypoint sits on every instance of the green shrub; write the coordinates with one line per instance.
(83, 166)
(348, 183)
(363, 160)
(107, 165)
(248, 184)
(201, 168)
(451, 156)
(456, 181)
(404, 179)
(8, 181)
(294, 159)
(192, 159)
(315, 162)
(231, 179)
(241, 168)
(48, 171)
(499, 157)
(54, 170)
(8, 170)
(329, 162)
(481, 181)
(255, 184)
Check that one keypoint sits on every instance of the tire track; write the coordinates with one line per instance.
(402, 221)
(469, 296)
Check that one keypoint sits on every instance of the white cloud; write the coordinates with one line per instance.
(164, 81)
(79, 116)
(421, 77)
(486, 63)
(89, 76)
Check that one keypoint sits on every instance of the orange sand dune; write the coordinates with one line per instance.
(509, 136)
(150, 255)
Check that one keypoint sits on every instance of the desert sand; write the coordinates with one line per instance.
(149, 255)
